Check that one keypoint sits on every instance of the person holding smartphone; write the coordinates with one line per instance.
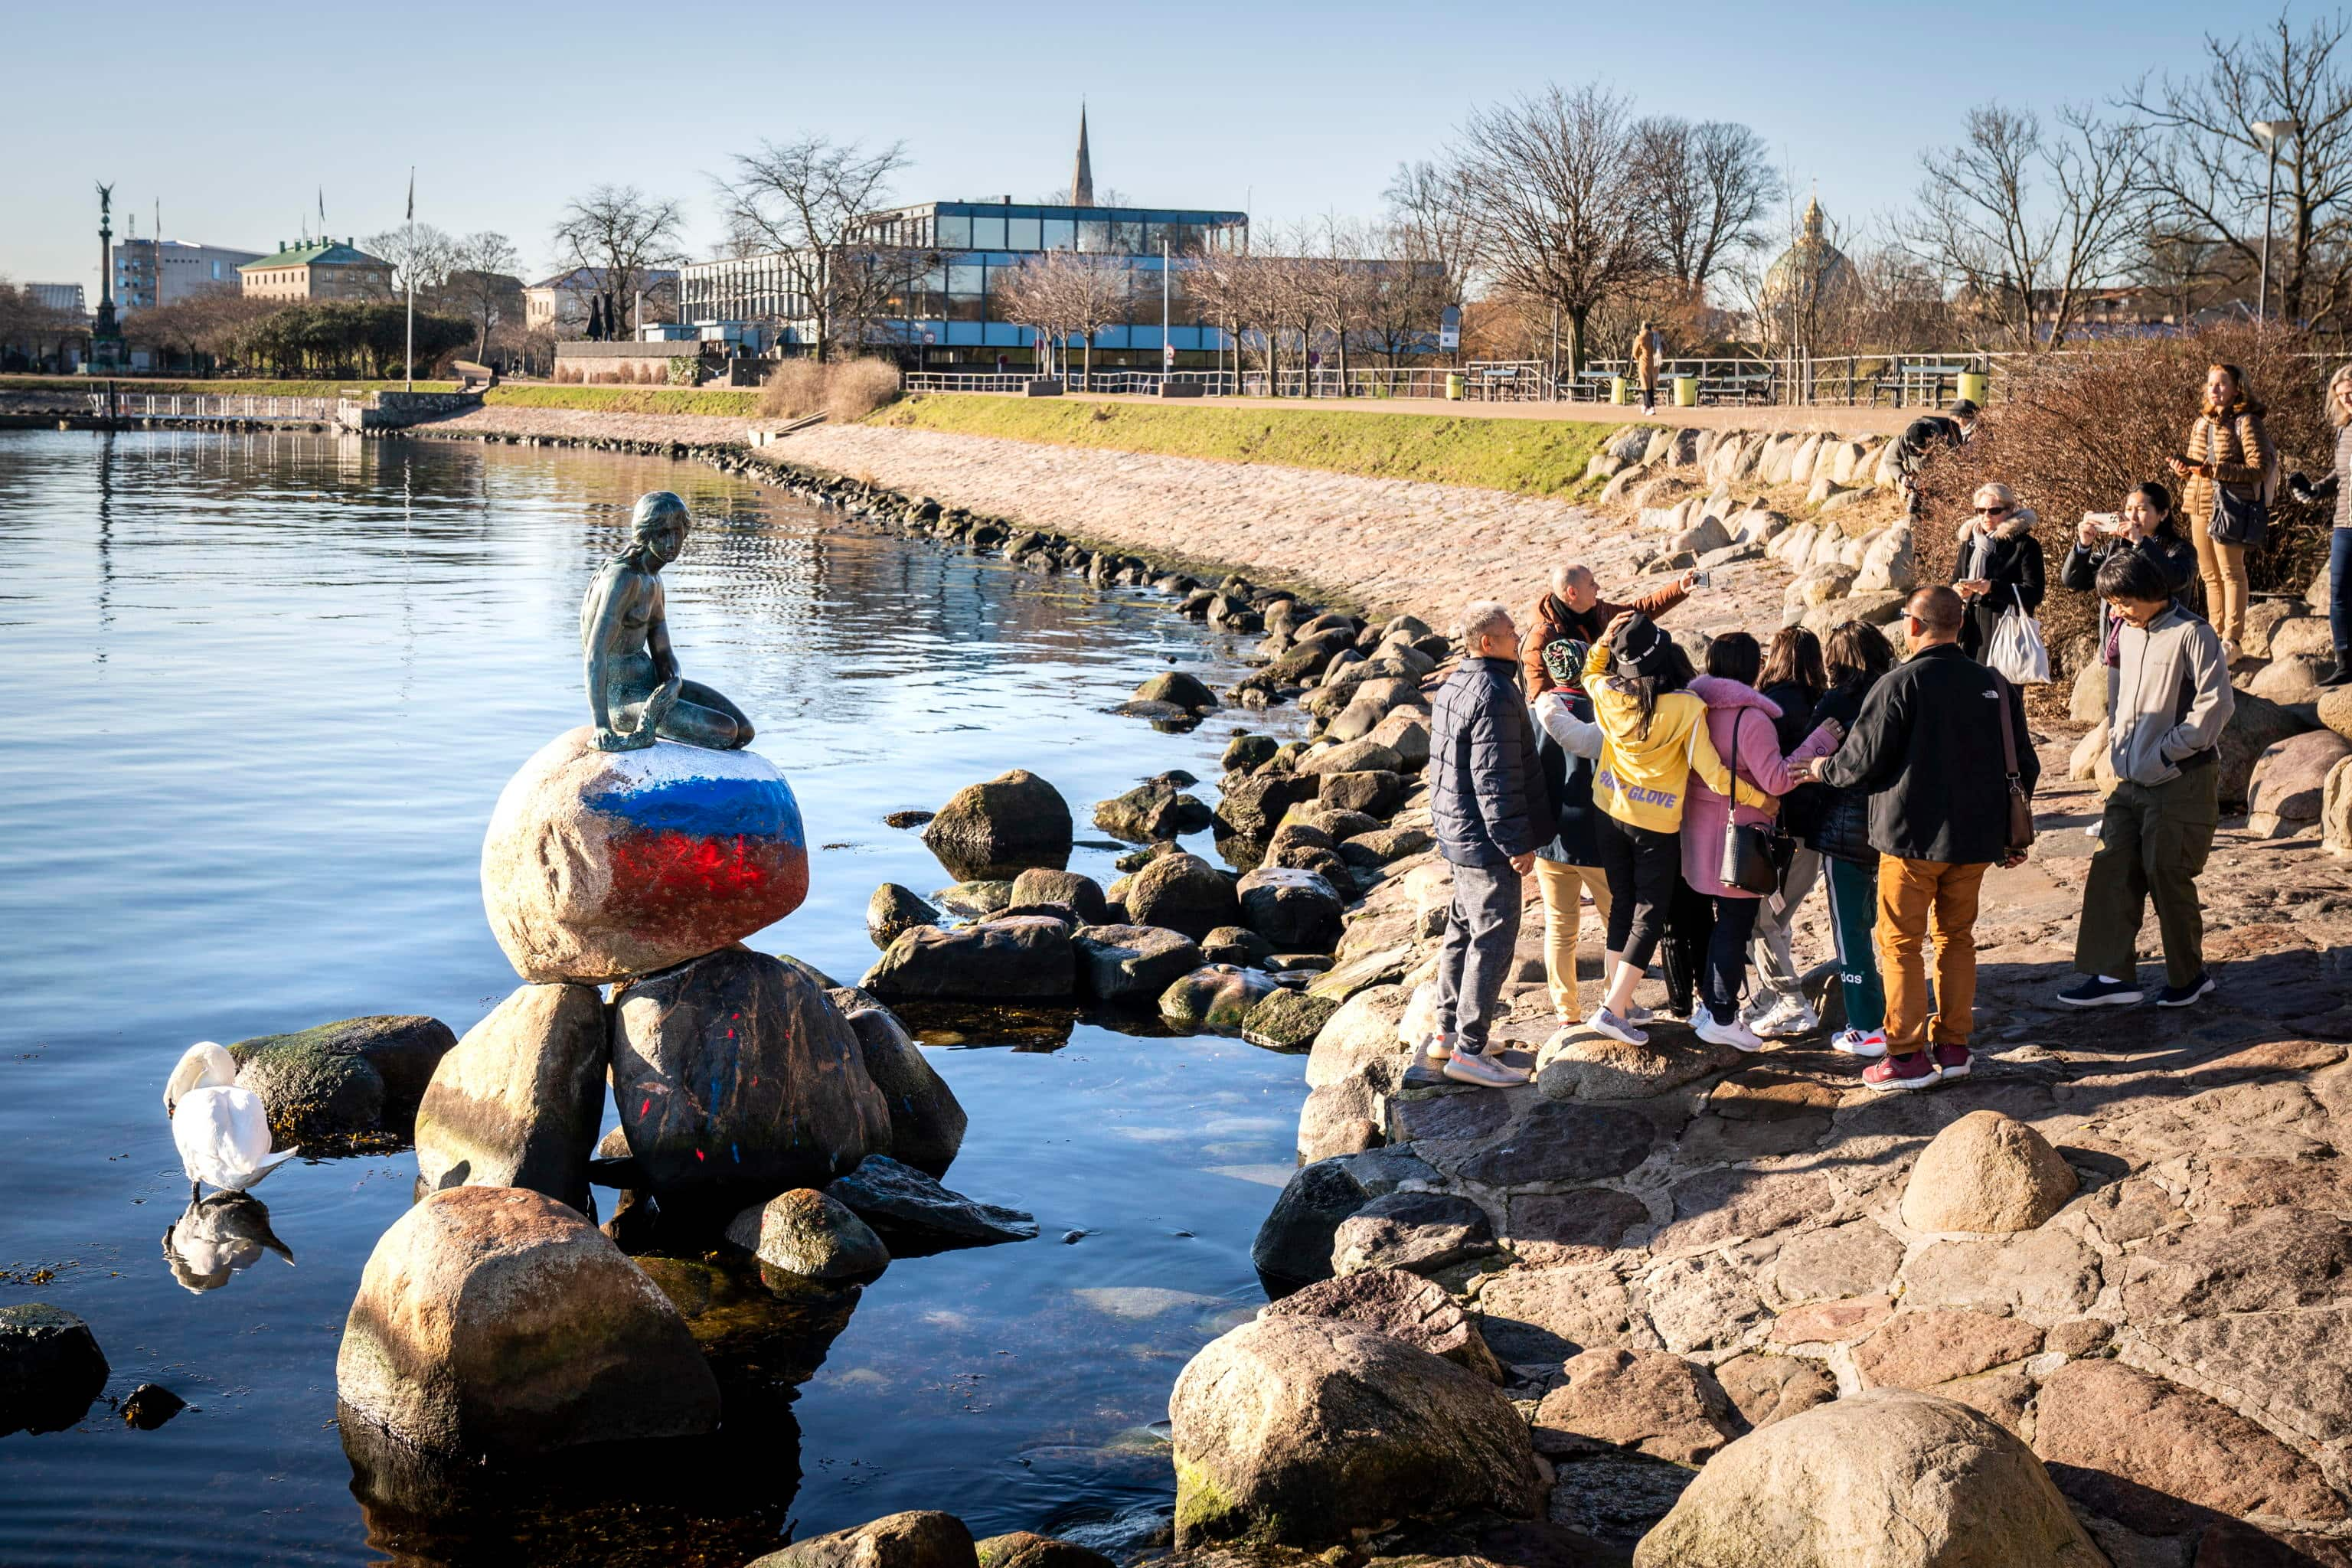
(2001, 565)
(2144, 526)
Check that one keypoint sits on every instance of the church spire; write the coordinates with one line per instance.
(1082, 182)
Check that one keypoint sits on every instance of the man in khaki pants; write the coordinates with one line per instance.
(1928, 746)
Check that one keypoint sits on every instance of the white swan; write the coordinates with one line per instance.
(222, 1132)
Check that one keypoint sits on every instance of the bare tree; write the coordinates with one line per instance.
(805, 200)
(1031, 294)
(482, 285)
(619, 235)
(1430, 220)
(1710, 186)
(2027, 224)
(2210, 170)
(1562, 210)
(428, 258)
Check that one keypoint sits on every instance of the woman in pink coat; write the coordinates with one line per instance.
(1737, 716)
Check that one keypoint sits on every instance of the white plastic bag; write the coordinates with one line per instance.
(2018, 650)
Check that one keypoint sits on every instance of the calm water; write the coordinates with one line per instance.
(264, 692)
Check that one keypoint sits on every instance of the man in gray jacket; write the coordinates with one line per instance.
(1487, 800)
(2169, 699)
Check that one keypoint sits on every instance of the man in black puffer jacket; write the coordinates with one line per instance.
(1486, 804)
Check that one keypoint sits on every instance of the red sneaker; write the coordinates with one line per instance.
(1914, 1069)
(1952, 1061)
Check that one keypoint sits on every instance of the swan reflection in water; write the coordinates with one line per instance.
(219, 1237)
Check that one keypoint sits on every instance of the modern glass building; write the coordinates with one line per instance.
(945, 316)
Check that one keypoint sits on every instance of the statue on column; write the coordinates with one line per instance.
(632, 672)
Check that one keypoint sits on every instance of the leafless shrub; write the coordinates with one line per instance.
(2074, 432)
(841, 390)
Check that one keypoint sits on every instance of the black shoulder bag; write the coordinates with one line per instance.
(1748, 862)
(2240, 519)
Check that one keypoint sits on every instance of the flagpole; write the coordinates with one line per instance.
(412, 277)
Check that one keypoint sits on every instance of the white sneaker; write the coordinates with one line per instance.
(1735, 1033)
(1604, 1022)
(1436, 1048)
(1480, 1068)
(1859, 1042)
(1789, 1021)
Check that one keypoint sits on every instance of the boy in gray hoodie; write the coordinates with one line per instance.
(2169, 699)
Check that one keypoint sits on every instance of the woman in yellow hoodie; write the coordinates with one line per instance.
(1653, 737)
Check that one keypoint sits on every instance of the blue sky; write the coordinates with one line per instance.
(234, 118)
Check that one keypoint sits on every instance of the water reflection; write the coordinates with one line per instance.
(218, 1236)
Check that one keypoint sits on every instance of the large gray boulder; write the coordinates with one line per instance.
(737, 1076)
(1131, 962)
(1306, 1431)
(1018, 958)
(1183, 892)
(1296, 911)
(1002, 828)
(516, 1103)
(493, 1322)
(2256, 724)
(2289, 784)
(1887, 1478)
(1080, 894)
(50, 1368)
(336, 1080)
(1158, 808)
(926, 1120)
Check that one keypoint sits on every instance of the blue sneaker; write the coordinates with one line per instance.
(2093, 991)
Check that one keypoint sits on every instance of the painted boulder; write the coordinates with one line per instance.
(600, 865)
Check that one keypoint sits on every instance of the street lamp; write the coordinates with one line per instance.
(2270, 131)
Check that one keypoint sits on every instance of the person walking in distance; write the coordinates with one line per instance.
(2168, 700)
(1654, 740)
(1741, 724)
(2339, 553)
(1854, 659)
(2229, 449)
(1649, 354)
(1485, 804)
(1933, 744)
(1792, 681)
(1568, 745)
(2001, 565)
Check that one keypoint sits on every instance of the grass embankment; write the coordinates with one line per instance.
(727, 402)
(225, 386)
(1526, 457)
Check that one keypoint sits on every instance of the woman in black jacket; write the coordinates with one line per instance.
(2001, 565)
(2145, 524)
(1854, 659)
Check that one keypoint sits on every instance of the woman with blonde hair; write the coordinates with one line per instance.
(2001, 565)
(2225, 465)
(2339, 551)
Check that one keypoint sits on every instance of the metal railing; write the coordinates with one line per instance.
(206, 405)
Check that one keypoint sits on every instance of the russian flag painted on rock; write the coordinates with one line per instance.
(598, 864)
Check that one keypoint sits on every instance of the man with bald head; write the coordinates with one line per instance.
(1575, 612)
(1930, 746)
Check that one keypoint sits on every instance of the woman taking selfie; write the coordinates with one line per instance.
(2222, 471)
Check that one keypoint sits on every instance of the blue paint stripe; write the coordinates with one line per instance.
(708, 808)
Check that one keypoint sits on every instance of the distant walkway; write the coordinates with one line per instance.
(1856, 421)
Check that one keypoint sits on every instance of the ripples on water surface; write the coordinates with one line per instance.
(265, 691)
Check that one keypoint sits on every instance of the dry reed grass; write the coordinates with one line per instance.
(844, 391)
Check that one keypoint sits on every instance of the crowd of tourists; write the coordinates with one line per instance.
(1697, 810)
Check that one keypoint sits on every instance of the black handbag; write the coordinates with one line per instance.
(1748, 862)
(2240, 519)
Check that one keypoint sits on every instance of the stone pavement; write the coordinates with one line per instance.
(1727, 1232)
